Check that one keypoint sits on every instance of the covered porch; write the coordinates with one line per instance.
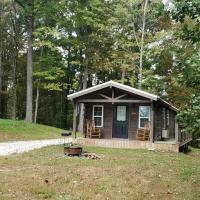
(120, 112)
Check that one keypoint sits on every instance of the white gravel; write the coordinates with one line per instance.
(8, 148)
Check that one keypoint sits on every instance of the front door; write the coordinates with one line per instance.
(120, 121)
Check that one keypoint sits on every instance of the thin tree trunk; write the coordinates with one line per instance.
(82, 107)
(29, 92)
(142, 44)
(85, 77)
(123, 75)
(66, 93)
(1, 66)
(36, 105)
(15, 57)
(1, 77)
(14, 93)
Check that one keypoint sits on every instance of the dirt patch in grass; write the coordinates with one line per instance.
(121, 174)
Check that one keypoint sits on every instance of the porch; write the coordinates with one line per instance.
(170, 146)
(119, 112)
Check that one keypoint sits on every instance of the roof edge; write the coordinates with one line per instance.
(113, 84)
(170, 106)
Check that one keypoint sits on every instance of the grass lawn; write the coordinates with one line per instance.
(21, 130)
(120, 174)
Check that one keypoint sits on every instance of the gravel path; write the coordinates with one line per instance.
(8, 148)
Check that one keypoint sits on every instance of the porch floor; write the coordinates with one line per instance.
(170, 141)
(130, 144)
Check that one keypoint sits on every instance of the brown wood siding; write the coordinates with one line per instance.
(134, 120)
(108, 92)
(133, 114)
(157, 122)
(172, 116)
(107, 118)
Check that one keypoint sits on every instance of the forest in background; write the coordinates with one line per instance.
(49, 49)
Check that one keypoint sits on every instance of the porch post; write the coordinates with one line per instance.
(176, 132)
(75, 118)
(151, 122)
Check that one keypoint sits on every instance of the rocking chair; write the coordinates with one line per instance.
(92, 131)
(143, 134)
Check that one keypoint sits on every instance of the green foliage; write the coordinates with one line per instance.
(188, 13)
(100, 40)
(190, 117)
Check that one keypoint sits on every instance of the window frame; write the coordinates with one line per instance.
(102, 116)
(149, 117)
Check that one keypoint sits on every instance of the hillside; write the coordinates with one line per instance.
(20, 130)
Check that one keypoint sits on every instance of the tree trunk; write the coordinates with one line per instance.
(1, 66)
(29, 92)
(66, 92)
(142, 45)
(82, 107)
(1, 77)
(123, 75)
(15, 57)
(14, 93)
(36, 105)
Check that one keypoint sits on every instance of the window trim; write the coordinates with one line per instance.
(102, 116)
(149, 107)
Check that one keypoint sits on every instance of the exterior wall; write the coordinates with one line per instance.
(134, 119)
(158, 121)
(133, 114)
(107, 118)
(172, 118)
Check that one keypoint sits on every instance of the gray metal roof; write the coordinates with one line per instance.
(122, 87)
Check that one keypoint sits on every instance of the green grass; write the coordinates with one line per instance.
(20, 130)
(119, 174)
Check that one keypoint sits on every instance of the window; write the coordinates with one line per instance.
(121, 113)
(98, 115)
(144, 115)
(164, 118)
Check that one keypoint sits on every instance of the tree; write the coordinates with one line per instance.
(29, 94)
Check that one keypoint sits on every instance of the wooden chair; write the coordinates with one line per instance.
(96, 132)
(143, 134)
(92, 131)
(88, 129)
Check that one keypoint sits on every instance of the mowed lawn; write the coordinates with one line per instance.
(119, 174)
(20, 130)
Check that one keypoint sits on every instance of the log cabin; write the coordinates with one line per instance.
(121, 113)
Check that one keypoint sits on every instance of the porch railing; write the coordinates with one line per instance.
(183, 136)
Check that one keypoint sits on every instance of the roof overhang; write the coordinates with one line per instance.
(116, 85)
(122, 87)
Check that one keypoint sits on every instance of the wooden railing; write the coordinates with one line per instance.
(182, 135)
